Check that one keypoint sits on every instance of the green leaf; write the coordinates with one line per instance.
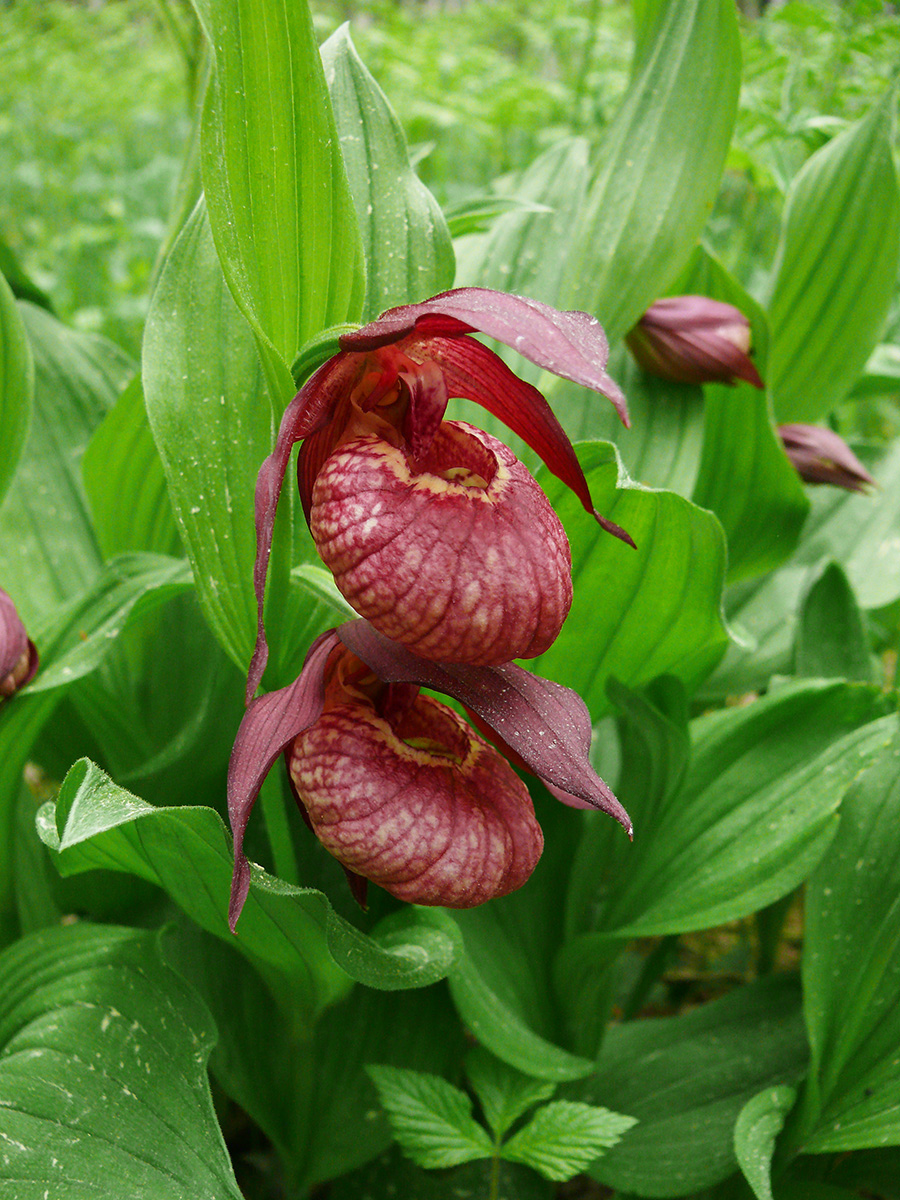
(758, 1125)
(16, 385)
(431, 1119)
(307, 1087)
(831, 638)
(103, 1072)
(661, 604)
(73, 644)
(755, 812)
(125, 483)
(504, 1092)
(48, 550)
(21, 284)
(393, 1175)
(660, 161)
(289, 930)
(279, 204)
(851, 974)
(836, 268)
(685, 1079)
(409, 254)
(563, 1138)
(213, 424)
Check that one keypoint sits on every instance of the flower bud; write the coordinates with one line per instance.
(457, 555)
(693, 339)
(820, 456)
(18, 655)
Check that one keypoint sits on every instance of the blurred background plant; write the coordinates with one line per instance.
(94, 114)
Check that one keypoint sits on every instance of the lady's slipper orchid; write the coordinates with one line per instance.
(820, 456)
(693, 339)
(434, 531)
(18, 654)
(396, 786)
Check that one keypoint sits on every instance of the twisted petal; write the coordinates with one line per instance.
(571, 345)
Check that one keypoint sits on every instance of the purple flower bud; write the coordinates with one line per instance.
(820, 456)
(693, 339)
(18, 655)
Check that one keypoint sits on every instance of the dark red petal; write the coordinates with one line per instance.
(474, 372)
(13, 638)
(427, 404)
(546, 724)
(270, 723)
(570, 344)
(308, 411)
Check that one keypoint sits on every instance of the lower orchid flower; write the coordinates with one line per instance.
(399, 788)
(18, 655)
(433, 530)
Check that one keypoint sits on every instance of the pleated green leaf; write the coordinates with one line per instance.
(279, 204)
(831, 637)
(836, 268)
(187, 851)
(686, 1079)
(103, 1085)
(48, 548)
(125, 482)
(851, 974)
(755, 812)
(16, 385)
(409, 254)
(638, 613)
(758, 1125)
(660, 163)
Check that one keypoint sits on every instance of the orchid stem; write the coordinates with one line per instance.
(274, 806)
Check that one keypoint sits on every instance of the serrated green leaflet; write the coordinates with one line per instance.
(836, 268)
(642, 613)
(505, 1093)
(16, 385)
(431, 1119)
(103, 1072)
(289, 930)
(409, 254)
(563, 1138)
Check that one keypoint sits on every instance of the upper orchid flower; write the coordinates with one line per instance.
(434, 531)
(396, 786)
(820, 456)
(18, 655)
(693, 339)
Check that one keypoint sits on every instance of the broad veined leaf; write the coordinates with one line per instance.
(758, 1125)
(74, 643)
(279, 204)
(16, 385)
(857, 531)
(660, 163)
(685, 1079)
(125, 483)
(103, 1085)
(213, 424)
(48, 550)
(409, 254)
(831, 637)
(305, 1086)
(755, 812)
(638, 613)
(836, 268)
(851, 973)
(289, 930)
